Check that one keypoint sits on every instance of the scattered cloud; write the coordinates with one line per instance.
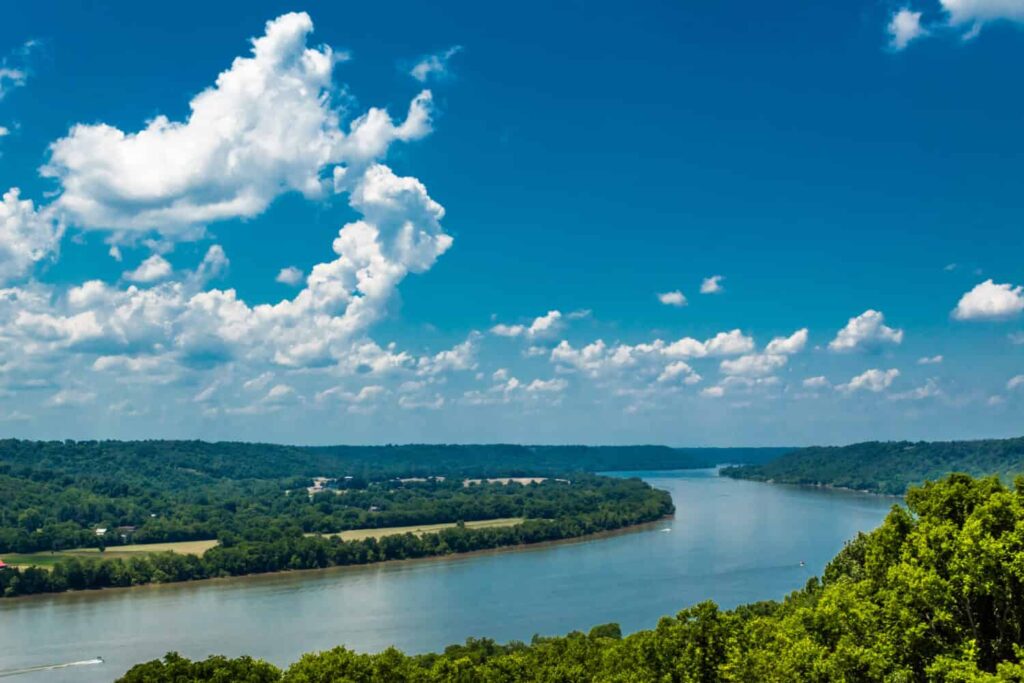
(1014, 382)
(673, 298)
(990, 301)
(546, 325)
(154, 268)
(866, 331)
(973, 14)
(904, 27)
(873, 380)
(28, 235)
(434, 66)
(794, 343)
(753, 365)
(930, 389)
(290, 276)
(712, 285)
(818, 382)
(930, 360)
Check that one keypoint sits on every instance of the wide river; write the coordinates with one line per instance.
(730, 541)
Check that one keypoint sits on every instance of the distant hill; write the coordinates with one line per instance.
(889, 466)
(184, 462)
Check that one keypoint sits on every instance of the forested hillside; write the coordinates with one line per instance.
(934, 594)
(890, 466)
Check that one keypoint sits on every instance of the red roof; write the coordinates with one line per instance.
(2, 565)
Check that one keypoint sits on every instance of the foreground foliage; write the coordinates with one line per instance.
(934, 594)
(888, 466)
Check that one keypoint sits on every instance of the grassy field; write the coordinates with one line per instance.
(47, 559)
(359, 534)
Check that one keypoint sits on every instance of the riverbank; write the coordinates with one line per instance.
(271, 576)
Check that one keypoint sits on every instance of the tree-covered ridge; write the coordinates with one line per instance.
(934, 594)
(890, 466)
(186, 462)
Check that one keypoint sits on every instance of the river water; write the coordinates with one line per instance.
(730, 541)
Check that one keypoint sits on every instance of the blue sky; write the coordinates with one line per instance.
(850, 173)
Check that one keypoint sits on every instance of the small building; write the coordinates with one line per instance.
(3, 565)
(101, 531)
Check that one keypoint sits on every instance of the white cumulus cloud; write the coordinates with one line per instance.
(154, 268)
(866, 331)
(27, 235)
(990, 301)
(712, 285)
(904, 27)
(873, 380)
(673, 298)
(290, 276)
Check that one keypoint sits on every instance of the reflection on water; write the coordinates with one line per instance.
(730, 541)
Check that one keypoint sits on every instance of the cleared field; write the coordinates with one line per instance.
(48, 559)
(360, 534)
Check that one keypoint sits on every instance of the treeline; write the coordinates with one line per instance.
(889, 467)
(631, 504)
(934, 594)
(185, 462)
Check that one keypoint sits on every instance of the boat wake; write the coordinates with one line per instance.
(50, 667)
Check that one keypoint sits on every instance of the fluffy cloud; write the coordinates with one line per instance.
(154, 268)
(818, 382)
(543, 326)
(1014, 382)
(975, 13)
(929, 389)
(290, 276)
(989, 301)
(598, 358)
(794, 343)
(866, 331)
(966, 17)
(433, 66)
(712, 285)
(753, 365)
(267, 126)
(873, 380)
(27, 235)
(673, 298)
(930, 360)
(904, 27)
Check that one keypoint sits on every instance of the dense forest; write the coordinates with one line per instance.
(577, 509)
(57, 494)
(889, 467)
(936, 593)
(270, 508)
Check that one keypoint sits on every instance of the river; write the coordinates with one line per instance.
(730, 541)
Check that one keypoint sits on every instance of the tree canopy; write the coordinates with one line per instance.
(888, 466)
